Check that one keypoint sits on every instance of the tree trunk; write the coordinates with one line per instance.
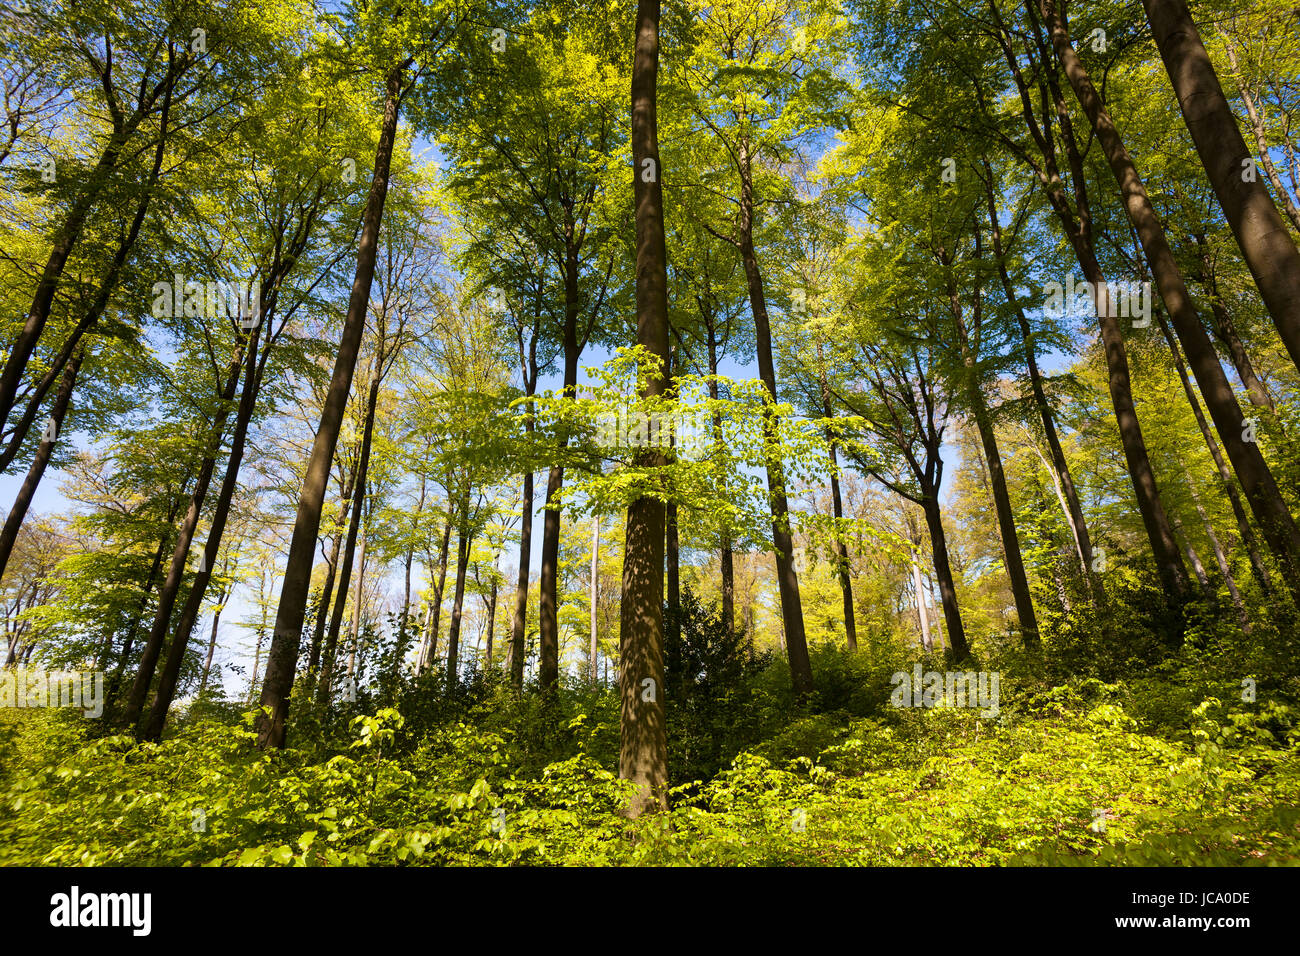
(643, 754)
(726, 560)
(491, 617)
(672, 560)
(1225, 330)
(212, 645)
(1244, 530)
(1170, 569)
(283, 657)
(782, 542)
(519, 621)
(329, 666)
(548, 664)
(431, 644)
(1062, 478)
(464, 538)
(837, 508)
(1267, 247)
(943, 574)
(593, 650)
(354, 632)
(1221, 559)
(918, 584)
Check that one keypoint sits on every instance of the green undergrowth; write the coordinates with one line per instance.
(1073, 774)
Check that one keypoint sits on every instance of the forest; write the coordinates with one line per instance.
(680, 432)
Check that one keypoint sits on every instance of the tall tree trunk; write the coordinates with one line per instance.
(491, 617)
(1267, 247)
(519, 620)
(837, 508)
(643, 753)
(1169, 563)
(787, 578)
(548, 622)
(1257, 482)
(212, 643)
(1226, 332)
(1062, 478)
(329, 665)
(1244, 530)
(943, 574)
(283, 657)
(593, 650)
(431, 644)
(1076, 223)
(464, 539)
(918, 582)
(726, 559)
(354, 632)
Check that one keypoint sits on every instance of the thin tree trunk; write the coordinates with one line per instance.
(943, 574)
(1062, 478)
(672, 561)
(548, 664)
(918, 582)
(431, 644)
(519, 621)
(837, 509)
(643, 754)
(726, 560)
(1244, 530)
(491, 617)
(1221, 559)
(1226, 330)
(329, 667)
(593, 650)
(464, 539)
(782, 542)
(212, 646)
(354, 636)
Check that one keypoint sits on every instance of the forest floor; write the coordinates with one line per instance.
(1150, 771)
